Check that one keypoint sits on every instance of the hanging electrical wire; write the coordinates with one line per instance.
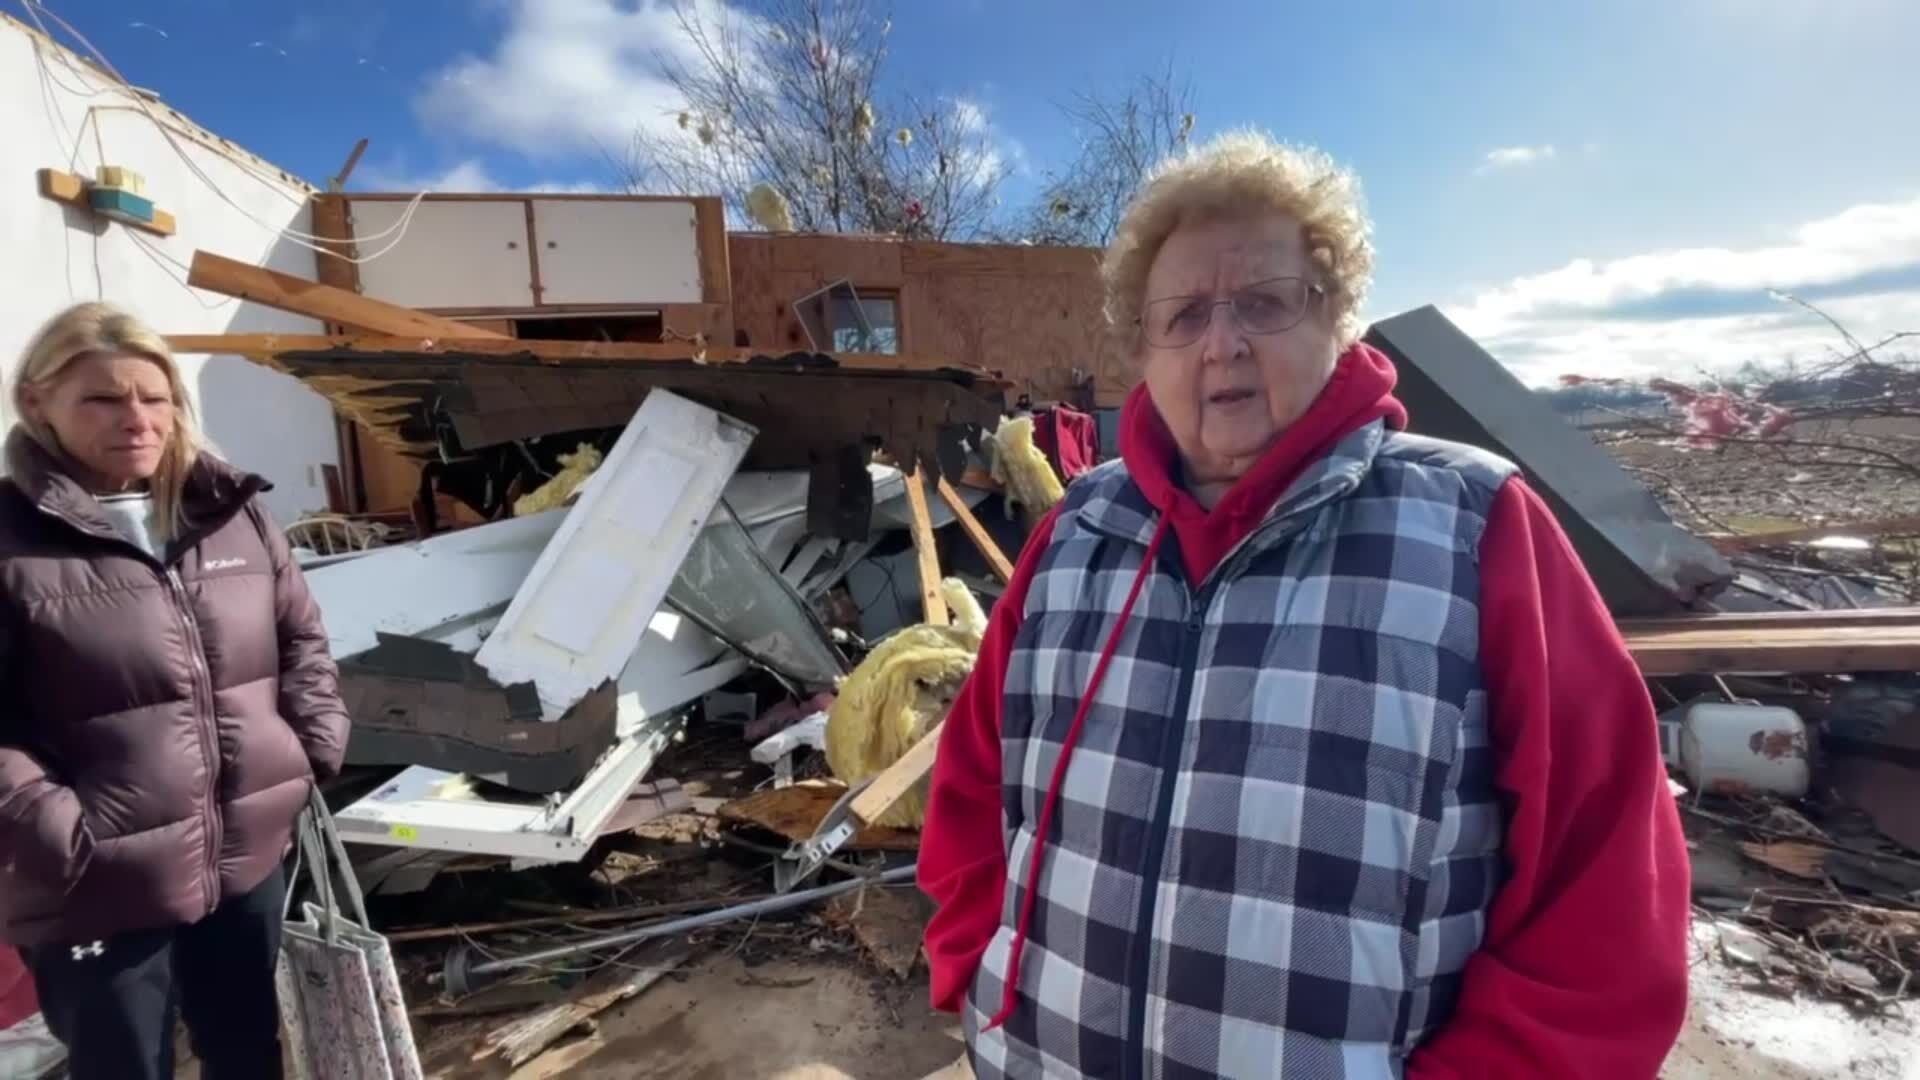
(35, 9)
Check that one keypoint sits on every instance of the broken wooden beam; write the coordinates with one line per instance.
(265, 347)
(1810, 643)
(1771, 620)
(523, 1039)
(285, 292)
(933, 605)
(976, 532)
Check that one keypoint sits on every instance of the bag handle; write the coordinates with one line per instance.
(319, 848)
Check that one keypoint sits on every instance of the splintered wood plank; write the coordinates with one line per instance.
(524, 1038)
(1669, 625)
(795, 811)
(230, 277)
(889, 923)
(1816, 643)
(932, 603)
(976, 532)
(893, 783)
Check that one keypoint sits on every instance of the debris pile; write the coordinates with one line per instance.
(670, 687)
(585, 733)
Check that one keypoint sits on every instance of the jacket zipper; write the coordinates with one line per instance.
(203, 699)
(1171, 740)
(203, 707)
(1140, 966)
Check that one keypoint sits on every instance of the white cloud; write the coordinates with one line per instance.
(1704, 308)
(971, 115)
(568, 77)
(1514, 157)
(470, 177)
(993, 155)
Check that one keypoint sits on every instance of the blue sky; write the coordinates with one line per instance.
(1610, 189)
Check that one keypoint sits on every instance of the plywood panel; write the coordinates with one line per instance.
(1043, 333)
(864, 260)
(1071, 261)
(1032, 313)
(755, 307)
(925, 258)
(454, 254)
(389, 481)
(594, 252)
(785, 331)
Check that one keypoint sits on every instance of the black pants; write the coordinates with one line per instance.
(112, 1003)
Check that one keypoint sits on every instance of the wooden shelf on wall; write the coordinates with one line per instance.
(71, 190)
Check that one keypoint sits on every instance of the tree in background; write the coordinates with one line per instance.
(1121, 138)
(785, 119)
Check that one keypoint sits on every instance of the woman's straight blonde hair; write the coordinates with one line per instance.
(93, 328)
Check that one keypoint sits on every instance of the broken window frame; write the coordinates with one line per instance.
(817, 313)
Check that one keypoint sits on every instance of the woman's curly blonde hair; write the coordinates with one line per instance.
(1245, 174)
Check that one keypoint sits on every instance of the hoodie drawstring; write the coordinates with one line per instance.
(1060, 774)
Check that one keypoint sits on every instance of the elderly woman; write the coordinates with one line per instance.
(1298, 745)
(168, 701)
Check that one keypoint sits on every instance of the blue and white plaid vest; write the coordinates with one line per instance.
(1277, 838)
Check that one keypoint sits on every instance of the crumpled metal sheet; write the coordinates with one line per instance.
(1642, 562)
(726, 585)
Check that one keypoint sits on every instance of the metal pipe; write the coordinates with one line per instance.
(692, 922)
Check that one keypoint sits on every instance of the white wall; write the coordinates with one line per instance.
(52, 255)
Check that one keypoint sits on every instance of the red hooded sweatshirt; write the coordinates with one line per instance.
(1583, 971)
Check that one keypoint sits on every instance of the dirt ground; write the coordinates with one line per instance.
(784, 1020)
(799, 1019)
(1737, 1030)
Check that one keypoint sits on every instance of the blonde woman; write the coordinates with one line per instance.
(1298, 745)
(168, 701)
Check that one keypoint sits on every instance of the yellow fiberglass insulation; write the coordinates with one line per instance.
(574, 470)
(898, 693)
(1023, 470)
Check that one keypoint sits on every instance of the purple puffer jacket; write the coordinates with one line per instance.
(160, 724)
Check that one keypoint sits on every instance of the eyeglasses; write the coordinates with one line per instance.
(1265, 307)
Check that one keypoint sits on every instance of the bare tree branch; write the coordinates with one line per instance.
(1122, 138)
(789, 97)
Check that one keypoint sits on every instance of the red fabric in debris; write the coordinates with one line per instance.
(17, 997)
(1069, 438)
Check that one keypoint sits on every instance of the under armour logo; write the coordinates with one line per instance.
(81, 952)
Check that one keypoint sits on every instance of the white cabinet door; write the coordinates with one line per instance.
(577, 619)
(611, 251)
(457, 253)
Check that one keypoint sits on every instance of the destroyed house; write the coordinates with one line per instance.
(616, 499)
(664, 271)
